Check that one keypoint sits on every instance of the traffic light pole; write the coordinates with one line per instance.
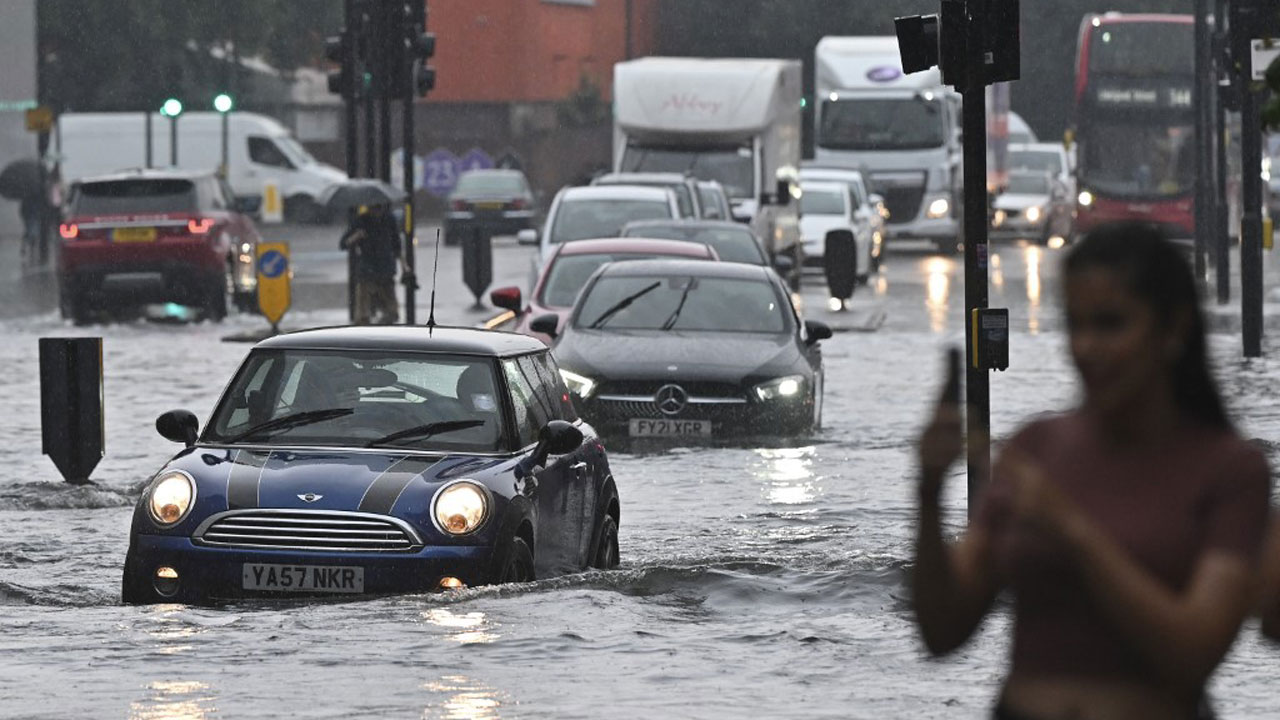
(1222, 233)
(1251, 187)
(1204, 151)
(977, 379)
(349, 99)
(407, 124)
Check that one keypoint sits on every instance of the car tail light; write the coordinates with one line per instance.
(517, 204)
(459, 204)
(200, 227)
(69, 231)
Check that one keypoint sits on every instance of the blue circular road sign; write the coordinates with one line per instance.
(272, 264)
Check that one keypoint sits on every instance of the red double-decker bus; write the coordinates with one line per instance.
(1134, 121)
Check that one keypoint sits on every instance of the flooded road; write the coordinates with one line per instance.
(755, 582)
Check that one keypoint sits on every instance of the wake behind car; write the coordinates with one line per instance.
(155, 236)
(349, 461)
(691, 350)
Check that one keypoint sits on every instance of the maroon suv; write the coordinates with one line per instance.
(155, 236)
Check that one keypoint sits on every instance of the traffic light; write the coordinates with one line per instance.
(943, 40)
(419, 47)
(223, 103)
(171, 108)
(336, 51)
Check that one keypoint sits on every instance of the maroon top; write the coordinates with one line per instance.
(1201, 489)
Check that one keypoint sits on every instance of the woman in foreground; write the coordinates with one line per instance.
(1127, 528)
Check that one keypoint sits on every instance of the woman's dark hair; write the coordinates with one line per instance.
(1158, 273)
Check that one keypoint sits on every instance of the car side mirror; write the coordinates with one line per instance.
(527, 236)
(557, 437)
(816, 331)
(178, 426)
(547, 324)
(507, 298)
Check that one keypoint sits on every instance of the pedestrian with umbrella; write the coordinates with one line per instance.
(375, 241)
(21, 180)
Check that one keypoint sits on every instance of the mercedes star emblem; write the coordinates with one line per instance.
(671, 399)
(309, 497)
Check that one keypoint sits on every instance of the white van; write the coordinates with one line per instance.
(260, 151)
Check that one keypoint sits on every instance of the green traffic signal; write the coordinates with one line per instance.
(223, 103)
(171, 108)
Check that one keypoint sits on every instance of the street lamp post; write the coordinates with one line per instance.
(223, 104)
(171, 109)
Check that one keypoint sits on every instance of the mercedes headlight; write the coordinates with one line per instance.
(579, 385)
(1034, 214)
(783, 387)
(938, 208)
(171, 498)
(1085, 198)
(461, 507)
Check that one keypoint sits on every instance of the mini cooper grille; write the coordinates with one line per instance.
(294, 530)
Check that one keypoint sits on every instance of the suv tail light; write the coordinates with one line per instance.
(200, 227)
(517, 204)
(459, 204)
(69, 231)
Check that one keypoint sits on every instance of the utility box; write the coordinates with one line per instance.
(989, 336)
(71, 420)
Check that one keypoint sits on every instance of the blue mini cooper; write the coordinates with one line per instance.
(354, 460)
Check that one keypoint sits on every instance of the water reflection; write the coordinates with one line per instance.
(997, 271)
(467, 700)
(788, 476)
(172, 630)
(938, 290)
(464, 628)
(1033, 255)
(175, 700)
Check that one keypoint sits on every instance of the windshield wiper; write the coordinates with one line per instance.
(622, 305)
(285, 422)
(675, 314)
(425, 431)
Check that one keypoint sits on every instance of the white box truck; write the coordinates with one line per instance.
(902, 131)
(260, 151)
(736, 121)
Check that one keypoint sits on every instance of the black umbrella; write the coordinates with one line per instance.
(354, 193)
(21, 179)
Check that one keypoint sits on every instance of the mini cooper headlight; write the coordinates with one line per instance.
(579, 385)
(783, 387)
(172, 496)
(461, 507)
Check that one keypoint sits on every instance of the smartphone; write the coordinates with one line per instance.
(951, 389)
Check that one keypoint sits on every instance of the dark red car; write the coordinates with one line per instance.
(155, 236)
(570, 265)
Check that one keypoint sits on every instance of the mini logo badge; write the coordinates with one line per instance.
(309, 497)
(671, 399)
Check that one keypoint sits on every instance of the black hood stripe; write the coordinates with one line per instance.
(242, 483)
(386, 488)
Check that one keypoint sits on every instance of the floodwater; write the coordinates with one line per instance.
(755, 582)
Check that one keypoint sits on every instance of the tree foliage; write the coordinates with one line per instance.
(132, 55)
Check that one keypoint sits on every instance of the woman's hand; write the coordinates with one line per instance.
(1037, 503)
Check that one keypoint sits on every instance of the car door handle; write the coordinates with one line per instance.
(579, 469)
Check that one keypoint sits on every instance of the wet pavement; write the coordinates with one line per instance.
(755, 581)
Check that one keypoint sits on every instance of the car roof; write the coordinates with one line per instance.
(641, 177)
(832, 185)
(409, 338)
(815, 171)
(615, 192)
(148, 174)
(641, 268)
(636, 245)
(691, 223)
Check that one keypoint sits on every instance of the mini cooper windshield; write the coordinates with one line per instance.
(360, 399)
